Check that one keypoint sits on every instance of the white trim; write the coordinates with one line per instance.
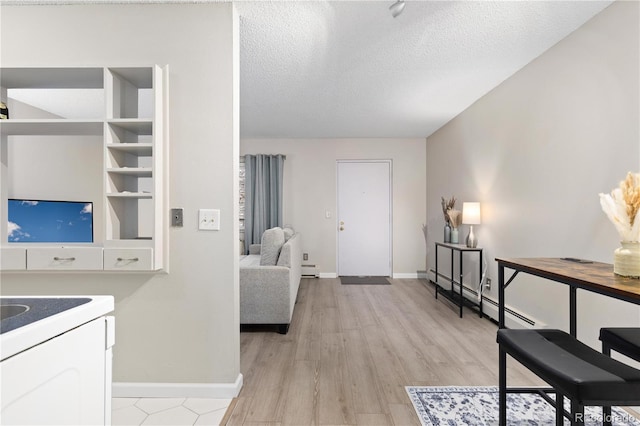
(177, 390)
(328, 275)
(408, 275)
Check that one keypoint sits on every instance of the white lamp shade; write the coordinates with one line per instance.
(471, 213)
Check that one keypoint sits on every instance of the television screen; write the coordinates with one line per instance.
(41, 221)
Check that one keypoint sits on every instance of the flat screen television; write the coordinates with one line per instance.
(46, 221)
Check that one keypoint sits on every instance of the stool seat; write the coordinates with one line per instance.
(625, 340)
(571, 367)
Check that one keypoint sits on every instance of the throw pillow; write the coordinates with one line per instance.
(285, 256)
(272, 241)
(288, 233)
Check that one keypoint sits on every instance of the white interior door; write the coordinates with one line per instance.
(364, 218)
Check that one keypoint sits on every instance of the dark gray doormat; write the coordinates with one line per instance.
(364, 280)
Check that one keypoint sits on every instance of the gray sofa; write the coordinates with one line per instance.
(268, 292)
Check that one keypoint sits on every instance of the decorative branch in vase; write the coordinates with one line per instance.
(622, 207)
(447, 205)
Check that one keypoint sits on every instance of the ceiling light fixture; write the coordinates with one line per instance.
(397, 8)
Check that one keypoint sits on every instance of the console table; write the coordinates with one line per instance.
(459, 299)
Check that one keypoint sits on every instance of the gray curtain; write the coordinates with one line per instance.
(263, 195)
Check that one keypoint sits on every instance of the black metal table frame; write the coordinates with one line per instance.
(573, 288)
(461, 250)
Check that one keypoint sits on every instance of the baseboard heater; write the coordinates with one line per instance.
(310, 271)
(492, 305)
(517, 316)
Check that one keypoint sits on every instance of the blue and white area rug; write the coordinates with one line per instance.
(478, 406)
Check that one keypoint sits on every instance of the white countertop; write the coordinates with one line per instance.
(34, 333)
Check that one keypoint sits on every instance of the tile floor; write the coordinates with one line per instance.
(168, 411)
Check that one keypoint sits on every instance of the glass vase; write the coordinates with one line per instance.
(454, 235)
(447, 233)
(626, 259)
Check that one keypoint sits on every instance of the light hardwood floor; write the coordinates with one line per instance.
(351, 350)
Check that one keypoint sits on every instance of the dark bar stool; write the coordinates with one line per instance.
(624, 340)
(573, 369)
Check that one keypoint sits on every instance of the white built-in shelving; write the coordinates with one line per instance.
(130, 122)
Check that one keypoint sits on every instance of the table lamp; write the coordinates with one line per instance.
(471, 216)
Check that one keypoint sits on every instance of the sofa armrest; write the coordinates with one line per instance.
(254, 248)
(265, 295)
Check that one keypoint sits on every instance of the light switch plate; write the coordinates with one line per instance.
(209, 219)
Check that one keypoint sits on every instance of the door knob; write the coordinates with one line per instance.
(342, 228)
(341, 223)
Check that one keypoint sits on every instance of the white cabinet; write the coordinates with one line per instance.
(13, 259)
(64, 259)
(123, 109)
(58, 370)
(119, 259)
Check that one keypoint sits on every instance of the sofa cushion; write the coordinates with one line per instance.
(285, 256)
(272, 241)
(288, 233)
(249, 261)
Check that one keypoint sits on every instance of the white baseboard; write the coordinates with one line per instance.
(177, 390)
(410, 275)
(328, 275)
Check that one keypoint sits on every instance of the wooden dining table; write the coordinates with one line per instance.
(595, 277)
(577, 274)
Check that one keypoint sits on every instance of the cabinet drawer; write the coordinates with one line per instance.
(13, 259)
(133, 259)
(64, 259)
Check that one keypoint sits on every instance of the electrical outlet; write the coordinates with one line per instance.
(305, 256)
(488, 284)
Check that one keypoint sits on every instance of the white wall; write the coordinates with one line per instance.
(537, 151)
(310, 191)
(181, 327)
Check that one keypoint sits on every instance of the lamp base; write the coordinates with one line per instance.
(472, 241)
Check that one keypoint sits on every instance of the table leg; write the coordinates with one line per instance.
(461, 275)
(500, 296)
(502, 387)
(480, 278)
(437, 271)
(572, 311)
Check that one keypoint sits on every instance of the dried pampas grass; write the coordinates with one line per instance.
(446, 206)
(622, 206)
(455, 218)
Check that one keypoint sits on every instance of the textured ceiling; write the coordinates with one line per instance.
(348, 69)
(332, 69)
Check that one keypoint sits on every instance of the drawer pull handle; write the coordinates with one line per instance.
(131, 259)
(64, 259)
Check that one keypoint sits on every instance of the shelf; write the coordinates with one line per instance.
(132, 171)
(142, 149)
(133, 125)
(137, 195)
(455, 297)
(139, 77)
(52, 78)
(51, 127)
